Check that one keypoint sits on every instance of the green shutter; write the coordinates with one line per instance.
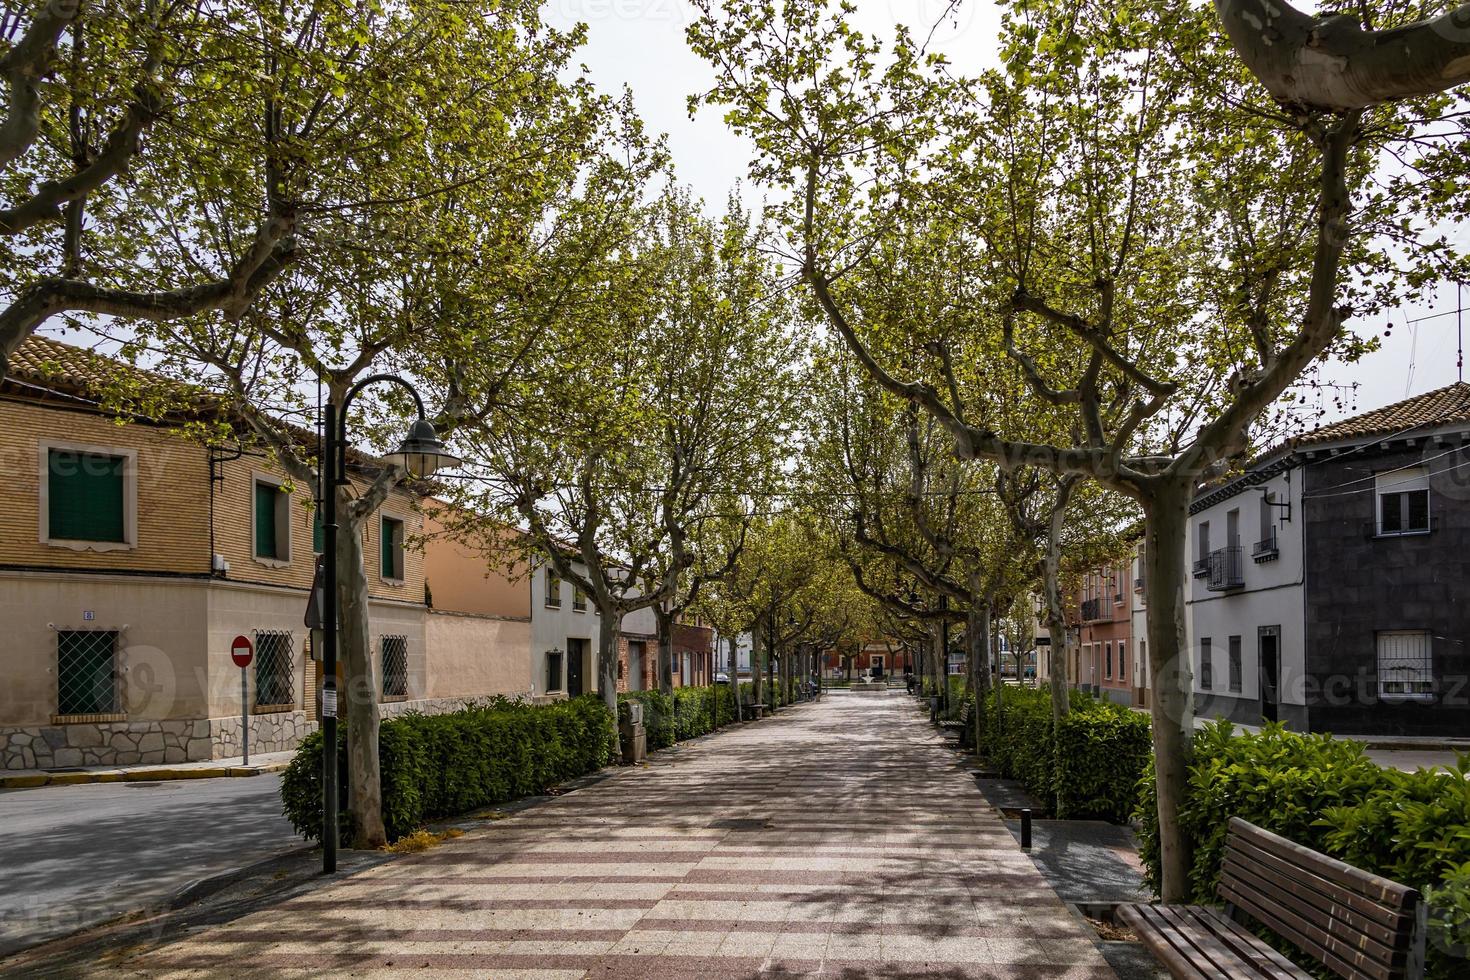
(390, 538)
(265, 521)
(318, 532)
(85, 496)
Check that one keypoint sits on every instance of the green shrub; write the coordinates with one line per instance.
(1326, 794)
(1088, 769)
(658, 717)
(444, 765)
(688, 715)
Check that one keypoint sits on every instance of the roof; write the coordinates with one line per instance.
(78, 370)
(1445, 406)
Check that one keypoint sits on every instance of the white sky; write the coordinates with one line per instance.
(640, 44)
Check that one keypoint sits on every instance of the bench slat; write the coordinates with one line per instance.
(1184, 920)
(1161, 942)
(1345, 957)
(1328, 905)
(1384, 891)
(1195, 941)
(1251, 947)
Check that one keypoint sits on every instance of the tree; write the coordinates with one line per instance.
(1154, 252)
(667, 395)
(415, 262)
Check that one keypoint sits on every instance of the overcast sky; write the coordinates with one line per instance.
(640, 44)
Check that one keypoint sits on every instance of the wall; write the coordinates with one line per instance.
(1111, 586)
(476, 656)
(172, 474)
(1357, 586)
(478, 574)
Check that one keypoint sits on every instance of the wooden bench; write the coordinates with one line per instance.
(961, 726)
(1358, 925)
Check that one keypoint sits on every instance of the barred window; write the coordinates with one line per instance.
(1206, 665)
(86, 672)
(1405, 665)
(553, 589)
(395, 666)
(553, 670)
(273, 684)
(1235, 665)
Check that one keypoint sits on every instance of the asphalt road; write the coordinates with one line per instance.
(72, 856)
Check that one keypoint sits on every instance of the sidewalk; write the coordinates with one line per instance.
(839, 839)
(208, 769)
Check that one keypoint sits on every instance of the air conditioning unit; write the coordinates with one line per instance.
(219, 565)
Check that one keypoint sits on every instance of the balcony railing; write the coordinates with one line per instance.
(1091, 610)
(1202, 567)
(1225, 569)
(1266, 549)
(1138, 584)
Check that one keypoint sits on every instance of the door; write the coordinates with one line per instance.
(1269, 643)
(877, 665)
(576, 655)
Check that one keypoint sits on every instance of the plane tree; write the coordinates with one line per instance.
(1161, 252)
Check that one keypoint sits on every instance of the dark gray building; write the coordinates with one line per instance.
(1334, 591)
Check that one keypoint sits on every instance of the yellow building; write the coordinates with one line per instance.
(132, 555)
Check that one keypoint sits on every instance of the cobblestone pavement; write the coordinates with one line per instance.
(837, 840)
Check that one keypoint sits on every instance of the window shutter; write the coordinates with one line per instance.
(85, 497)
(318, 532)
(265, 521)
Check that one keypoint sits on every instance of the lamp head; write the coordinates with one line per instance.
(422, 453)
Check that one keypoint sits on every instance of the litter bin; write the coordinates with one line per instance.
(631, 733)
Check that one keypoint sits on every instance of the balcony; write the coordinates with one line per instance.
(1225, 571)
(1266, 550)
(1202, 567)
(1091, 610)
(1138, 584)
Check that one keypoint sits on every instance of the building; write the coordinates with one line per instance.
(132, 556)
(1138, 628)
(1331, 581)
(1104, 644)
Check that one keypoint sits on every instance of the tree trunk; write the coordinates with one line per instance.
(1171, 675)
(758, 654)
(665, 651)
(1057, 654)
(735, 675)
(607, 660)
(977, 627)
(992, 634)
(365, 786)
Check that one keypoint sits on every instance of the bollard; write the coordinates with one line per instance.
(1026, 829)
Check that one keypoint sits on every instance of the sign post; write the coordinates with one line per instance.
(242, 652)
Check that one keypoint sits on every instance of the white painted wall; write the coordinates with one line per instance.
(1273, 593)
(552, 627)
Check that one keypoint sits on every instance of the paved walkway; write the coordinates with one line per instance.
(839, 840)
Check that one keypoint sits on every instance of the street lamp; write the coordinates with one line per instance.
(421, 455)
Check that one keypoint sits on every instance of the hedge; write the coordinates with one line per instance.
(1326, 794)
(689, 714)
(1088, 768)
(444, 765)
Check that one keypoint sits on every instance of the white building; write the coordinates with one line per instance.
(1246, 607)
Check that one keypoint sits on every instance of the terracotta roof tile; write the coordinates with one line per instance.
(1445, 406)
(79, 370)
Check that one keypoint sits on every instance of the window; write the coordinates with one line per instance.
(273, 670)
(88, 497)
(1142, 673)
(553, 589)
(1202, 549)
(553, 670)
(1206, 665)
(1405, 665)
(395, 666)
(1235, 667)
(86, 672)
(579, 599)
(1403, 500)
(1232, 528)
(318, 531)
(1122, 661)
(391, 548)
(1108, 662)
(1267, 518)
(272, 521)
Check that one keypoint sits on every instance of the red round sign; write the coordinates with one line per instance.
(241, 651)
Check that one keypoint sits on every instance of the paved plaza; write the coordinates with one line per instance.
(840, 839)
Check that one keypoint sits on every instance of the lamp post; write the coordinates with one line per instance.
(421, 454)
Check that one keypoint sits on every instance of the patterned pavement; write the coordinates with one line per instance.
(835, 840)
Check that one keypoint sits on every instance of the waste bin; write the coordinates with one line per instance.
(631, 734)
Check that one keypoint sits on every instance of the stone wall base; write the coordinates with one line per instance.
(128, 743)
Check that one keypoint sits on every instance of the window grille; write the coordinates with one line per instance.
(553, 590)
(1235, 665)
(553, 670)
(86, 672)
(1405, 665)
(273, 684)
(395, 666)
(1206, 665)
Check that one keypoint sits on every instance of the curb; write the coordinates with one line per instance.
(34, 780)
(212, 884)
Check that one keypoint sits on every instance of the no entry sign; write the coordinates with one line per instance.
(241, 651)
